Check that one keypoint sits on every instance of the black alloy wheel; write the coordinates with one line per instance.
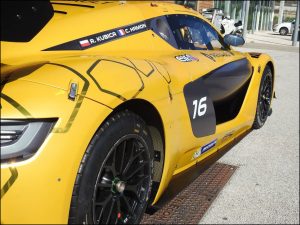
(122, 182)
(114, 180)
(264, 99)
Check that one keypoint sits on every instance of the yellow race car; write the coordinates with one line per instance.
(103, 102)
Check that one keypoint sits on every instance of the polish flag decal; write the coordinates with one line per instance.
(84, 43)
(121, 32)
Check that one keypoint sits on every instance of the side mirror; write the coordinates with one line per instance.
(234, 40)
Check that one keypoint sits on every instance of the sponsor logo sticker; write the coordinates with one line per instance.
(204, 149)
(208, 146)
(186, 58)
(212, 56)
(208, 56)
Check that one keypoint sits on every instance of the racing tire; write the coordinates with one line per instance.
(283, 31)
(114, 180)
(263, 109)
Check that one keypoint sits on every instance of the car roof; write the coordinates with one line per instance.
(73, 20)
(96, 16)
(147, 8)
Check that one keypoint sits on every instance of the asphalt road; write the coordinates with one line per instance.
(265, 187)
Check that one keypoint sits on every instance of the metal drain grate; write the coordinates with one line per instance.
(189, 205)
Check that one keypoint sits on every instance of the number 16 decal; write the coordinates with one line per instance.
(200, 108)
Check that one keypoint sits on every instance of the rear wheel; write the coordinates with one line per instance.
(283, 31)
(264, 99)
(114, 180)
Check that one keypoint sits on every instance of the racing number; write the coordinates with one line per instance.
(200, 108)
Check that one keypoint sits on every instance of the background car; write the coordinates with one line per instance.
(284, 28)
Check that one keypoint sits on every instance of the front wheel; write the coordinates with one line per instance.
(283, 31)
(264, 99)
(114, 180)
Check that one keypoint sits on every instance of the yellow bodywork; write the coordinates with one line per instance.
(39, 189)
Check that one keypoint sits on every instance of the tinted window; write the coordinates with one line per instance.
(22, 20)
(193, 33)
(161, 27)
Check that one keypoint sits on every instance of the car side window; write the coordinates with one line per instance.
(193, 33)
(212, 36)
(161, 27)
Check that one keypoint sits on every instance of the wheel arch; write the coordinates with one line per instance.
(152, 118)
(286, 28)
(270, 64)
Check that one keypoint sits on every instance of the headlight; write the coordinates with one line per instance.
(275, 26)
(20, 139)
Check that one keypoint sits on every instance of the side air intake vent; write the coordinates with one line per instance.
(20, 139)
(13, 131)
(255, 54)
(9, 136)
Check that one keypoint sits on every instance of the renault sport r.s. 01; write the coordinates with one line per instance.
(102, 103)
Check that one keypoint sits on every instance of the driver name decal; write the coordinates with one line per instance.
(101, 38)
(97, 39)
(112, 35)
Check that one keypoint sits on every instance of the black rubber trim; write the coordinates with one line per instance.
(61, 12)
(70, 4)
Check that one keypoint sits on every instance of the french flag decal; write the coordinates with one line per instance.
(121, 32)
(84, 43)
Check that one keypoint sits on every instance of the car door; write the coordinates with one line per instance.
(219, 72)
(218, 77)
(206, 78)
